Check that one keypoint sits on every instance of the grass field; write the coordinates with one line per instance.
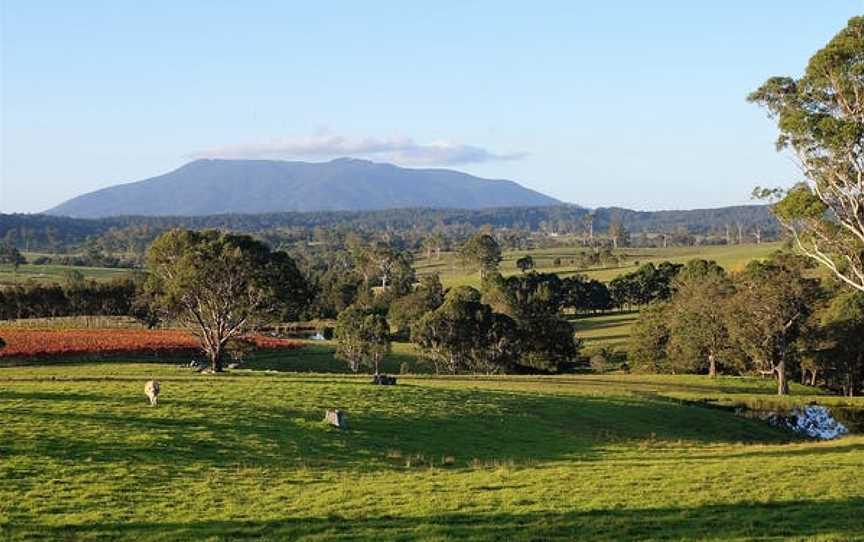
(452, 271)
(732, 257)
(607, 330)
(246, 456)
(46, 274)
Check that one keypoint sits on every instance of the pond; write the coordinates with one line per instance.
(812, 420)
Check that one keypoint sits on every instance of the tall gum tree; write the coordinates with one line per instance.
(821, 120)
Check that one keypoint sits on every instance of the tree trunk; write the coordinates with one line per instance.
(215, 355)
(782, 383)
(712, 365)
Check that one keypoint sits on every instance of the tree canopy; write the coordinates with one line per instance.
(483, 252)
(362, 338)
(221, 285)
(821, 120)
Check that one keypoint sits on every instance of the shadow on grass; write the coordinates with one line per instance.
(320, 358)
(823, 519)
(618, 337)
(386, 427)
(72, 361)
(586, 324)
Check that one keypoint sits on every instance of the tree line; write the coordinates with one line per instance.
(773, 318)
(129, 237)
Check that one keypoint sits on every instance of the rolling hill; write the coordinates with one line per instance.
(208, 187)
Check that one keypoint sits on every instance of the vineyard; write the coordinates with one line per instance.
(28, 343)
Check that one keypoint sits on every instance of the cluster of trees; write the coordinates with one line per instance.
(584, 295)
(91, 257)
(77, 297)
(647, 284)
(772, 319)
(512, 324)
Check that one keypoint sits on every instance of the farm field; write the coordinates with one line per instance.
(606, 330)
(452, 271)
(47, 274)
(246, 456)
(732, 257)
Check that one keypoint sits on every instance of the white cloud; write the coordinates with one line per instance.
(400, 150)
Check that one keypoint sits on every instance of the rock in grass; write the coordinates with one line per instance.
(336, 418)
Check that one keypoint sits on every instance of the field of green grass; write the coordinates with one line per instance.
(732, 257)
(246, 456)
(46, 274)
(606, 330)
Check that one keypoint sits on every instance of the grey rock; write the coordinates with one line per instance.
(336, 418)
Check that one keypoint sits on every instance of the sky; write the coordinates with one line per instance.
(626, 103)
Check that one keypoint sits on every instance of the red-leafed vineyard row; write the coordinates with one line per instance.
(108, 342)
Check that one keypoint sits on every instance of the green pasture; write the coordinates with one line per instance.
(47, 274)
(245, 456)
(733, 257)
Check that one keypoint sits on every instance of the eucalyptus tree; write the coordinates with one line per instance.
(483, 252)
(464, 334)
(698, 335)
(362, 338)
(768, 312)
(221, 285)
(821, 120)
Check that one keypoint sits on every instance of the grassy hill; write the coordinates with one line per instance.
(246, 456)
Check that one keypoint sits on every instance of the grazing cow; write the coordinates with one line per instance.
(151, 390)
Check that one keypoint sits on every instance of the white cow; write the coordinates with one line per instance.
(151, 390)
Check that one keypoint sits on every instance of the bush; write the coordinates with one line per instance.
(404, 368)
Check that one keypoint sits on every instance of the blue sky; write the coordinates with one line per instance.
(637, 104)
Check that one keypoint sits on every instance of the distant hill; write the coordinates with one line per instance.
(209, 187)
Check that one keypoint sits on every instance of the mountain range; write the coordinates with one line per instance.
(210, 187)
